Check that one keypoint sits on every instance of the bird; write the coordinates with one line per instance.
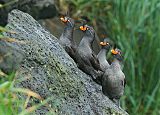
(86, 59)
(113, 80)
(102, 54)
(66, 38)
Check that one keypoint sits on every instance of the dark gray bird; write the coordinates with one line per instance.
(86, 59)
(66, 39)
(102, 54)
(113, 80)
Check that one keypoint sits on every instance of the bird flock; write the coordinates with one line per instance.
(109, 76)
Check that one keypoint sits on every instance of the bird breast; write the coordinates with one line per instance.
(113, 84)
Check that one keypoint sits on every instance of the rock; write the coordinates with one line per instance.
(10, 57)
(49, 71)
(39, 9)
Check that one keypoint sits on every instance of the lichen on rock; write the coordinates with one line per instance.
(49, 71)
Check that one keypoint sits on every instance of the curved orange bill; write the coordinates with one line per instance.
(104, 43)
(63, 19)
(83, 28)
(114, 52)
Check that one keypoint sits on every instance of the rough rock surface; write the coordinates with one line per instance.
(39, 9)
(10, 57)
(49, 71)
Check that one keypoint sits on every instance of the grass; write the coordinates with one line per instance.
(10, 103)
(135, 26)
(9, 98)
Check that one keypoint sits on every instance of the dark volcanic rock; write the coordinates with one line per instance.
(49, 71)
(10, 57)
(39, 9)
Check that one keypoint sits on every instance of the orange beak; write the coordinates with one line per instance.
(104, 43)
(114, 52)
(83, 28)
(63, 19)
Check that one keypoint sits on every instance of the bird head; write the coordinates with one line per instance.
(89, 31)
(68, 21)
(105, 44)
(117, 53)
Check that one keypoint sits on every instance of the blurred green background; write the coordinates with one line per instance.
(135, 26)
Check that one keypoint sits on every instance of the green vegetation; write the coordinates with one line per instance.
(10, 103)
(135, 26)
(9, 94)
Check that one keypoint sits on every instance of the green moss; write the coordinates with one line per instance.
(65, 84)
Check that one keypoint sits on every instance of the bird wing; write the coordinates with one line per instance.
(94, 62)
(70, 51)
(107, 84)
(123, 80)
(86, 61)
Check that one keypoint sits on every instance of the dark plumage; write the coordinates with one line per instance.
(66, 39)
(86, 58)
(113, 80)
(102, 54)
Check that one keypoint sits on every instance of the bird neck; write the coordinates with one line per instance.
(68, 32)
(102, 54)
(116, 65)
(102, 59)
(86, 41)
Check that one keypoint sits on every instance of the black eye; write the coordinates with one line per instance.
(119, 52)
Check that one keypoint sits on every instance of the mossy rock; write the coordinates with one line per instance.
(49, 71)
